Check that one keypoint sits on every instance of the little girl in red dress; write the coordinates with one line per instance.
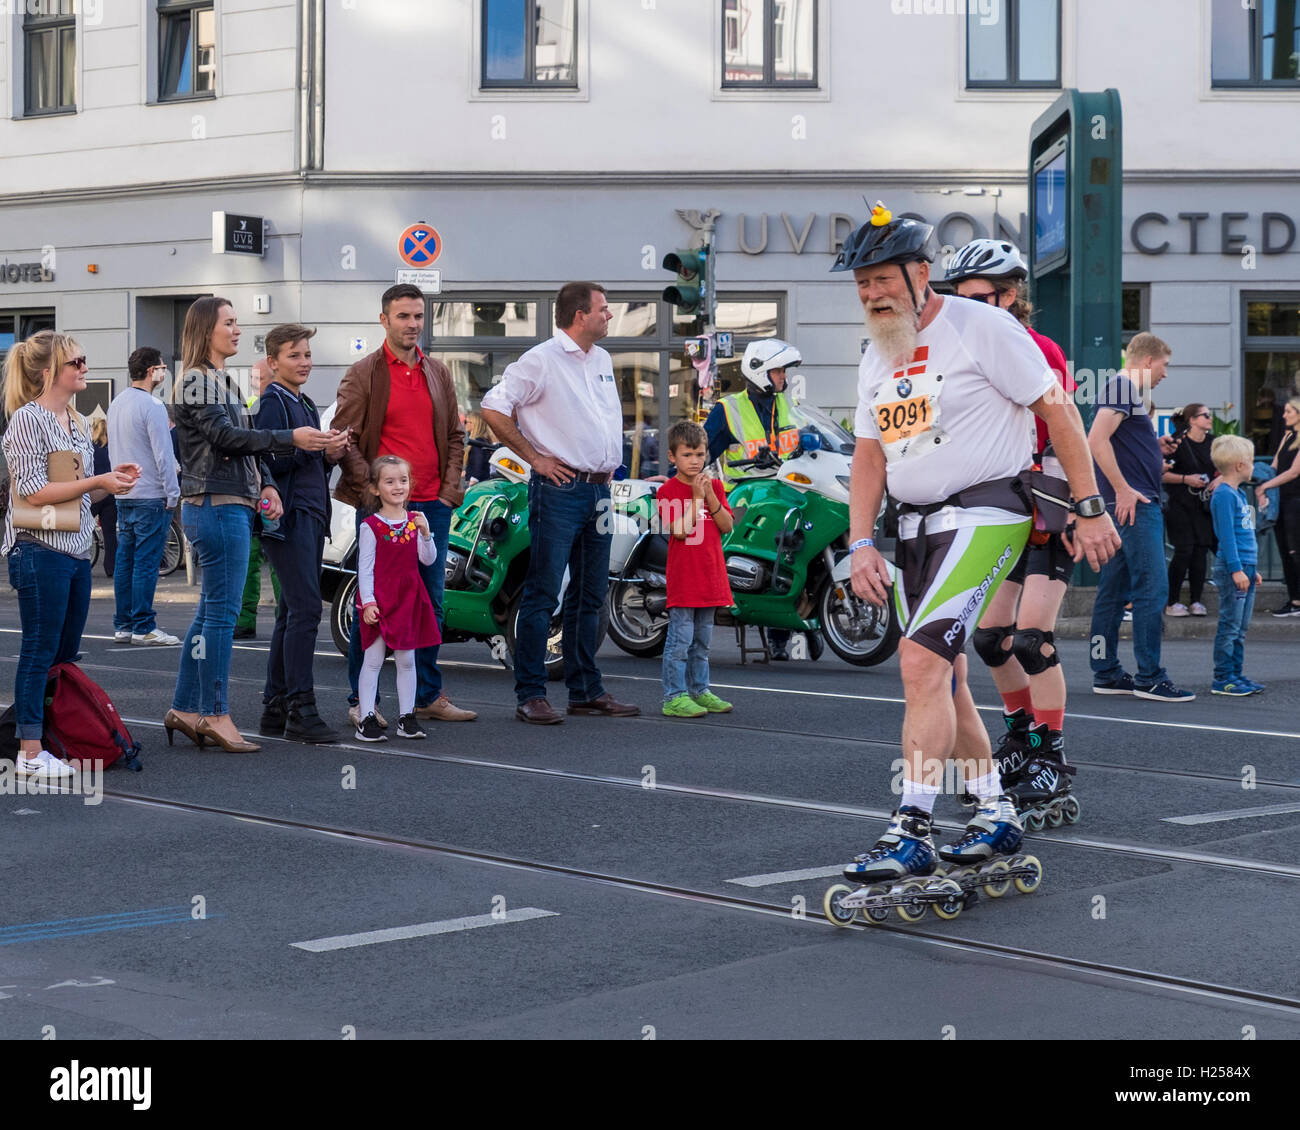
(393, 603)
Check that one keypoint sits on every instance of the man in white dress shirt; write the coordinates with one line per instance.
(558, 406)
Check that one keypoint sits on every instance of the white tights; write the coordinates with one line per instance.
(368, 681)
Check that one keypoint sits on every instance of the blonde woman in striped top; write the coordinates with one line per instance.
(49, 568)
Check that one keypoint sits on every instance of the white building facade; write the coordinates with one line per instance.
(548, 140)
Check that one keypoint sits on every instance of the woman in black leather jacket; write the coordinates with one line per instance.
(225, 482)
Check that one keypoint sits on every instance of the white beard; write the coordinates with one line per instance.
(894, 336)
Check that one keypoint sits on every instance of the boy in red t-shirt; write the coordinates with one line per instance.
(693, 509)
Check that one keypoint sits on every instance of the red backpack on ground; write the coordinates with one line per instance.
(81, 722)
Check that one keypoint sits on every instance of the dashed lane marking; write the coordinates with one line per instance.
(1234, 814)
(423, 930)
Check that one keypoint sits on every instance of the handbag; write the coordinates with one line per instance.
(62, 467)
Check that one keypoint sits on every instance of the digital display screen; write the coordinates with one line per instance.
(1050, 207)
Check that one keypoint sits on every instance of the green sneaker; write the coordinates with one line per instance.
(683, 707)
(712, 703)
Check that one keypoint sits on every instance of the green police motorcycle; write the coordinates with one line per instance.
(787, 555)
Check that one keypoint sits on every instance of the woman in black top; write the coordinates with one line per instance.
(1188, 519)
(104, 509)
(1287, 529)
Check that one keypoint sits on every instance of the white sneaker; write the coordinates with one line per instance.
(121, 637)
(1198, 609)
(156, 638)
(44, 764)
(1176, 610)
(354, 716)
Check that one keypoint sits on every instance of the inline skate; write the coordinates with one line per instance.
(1040, 787)
(1011, 752)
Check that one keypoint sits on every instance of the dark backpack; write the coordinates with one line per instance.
(81, 722)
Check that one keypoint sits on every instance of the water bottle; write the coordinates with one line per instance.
(269, 525)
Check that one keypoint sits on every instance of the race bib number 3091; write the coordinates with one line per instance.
(903, 419)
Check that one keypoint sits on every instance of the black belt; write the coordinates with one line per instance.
(600, 478)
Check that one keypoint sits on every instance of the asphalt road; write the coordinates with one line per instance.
(596, 864)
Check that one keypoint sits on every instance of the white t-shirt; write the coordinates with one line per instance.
(956, 415)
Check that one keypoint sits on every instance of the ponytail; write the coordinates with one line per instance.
(27, 363)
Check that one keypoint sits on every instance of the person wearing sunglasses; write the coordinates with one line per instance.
(1015, 636)
(50, 567)
(1187, 520)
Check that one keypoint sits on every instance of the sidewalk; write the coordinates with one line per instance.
(1075, 622)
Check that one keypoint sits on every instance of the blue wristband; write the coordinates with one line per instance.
(861, 543)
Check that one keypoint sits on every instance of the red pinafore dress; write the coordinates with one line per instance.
(406, 616)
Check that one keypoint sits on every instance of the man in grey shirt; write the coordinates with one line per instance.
(140, 432)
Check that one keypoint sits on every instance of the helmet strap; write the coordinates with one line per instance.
(918, 308)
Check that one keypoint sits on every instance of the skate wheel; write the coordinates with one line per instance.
(959, 875)
(1055, 817)
(953, 904)
(913, 910)
(875, 915)
(996, 884)
(831, 905)
(1071, 810)
(1028, 884)
(1033, 822)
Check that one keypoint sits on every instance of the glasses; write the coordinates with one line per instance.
(1202, 416)
(77, 362)
(989, 297)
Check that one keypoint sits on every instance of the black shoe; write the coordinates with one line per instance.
(304, 724)
(245, 633)
(1288, 609)
(369, 730)
(816, 645)
(408, 726)
(273, 718)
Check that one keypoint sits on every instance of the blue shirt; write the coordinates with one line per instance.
(1137, 451)
(140, 432)
(302, 477)
(1234, 526)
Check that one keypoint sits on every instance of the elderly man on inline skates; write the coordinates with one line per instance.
(942, 420)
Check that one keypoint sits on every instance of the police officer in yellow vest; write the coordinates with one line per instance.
(758, 416)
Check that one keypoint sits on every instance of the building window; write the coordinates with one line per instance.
(1135, 316)
(187, 49)
(50, 59)
(769, 43)
(19, 325)
(1256, 44)
(1017, 44)
(530, 43)
(1271, 366)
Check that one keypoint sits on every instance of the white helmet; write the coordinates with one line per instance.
(987, 259)
(763, 356)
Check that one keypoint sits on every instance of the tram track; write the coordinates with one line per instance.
(1052, 964)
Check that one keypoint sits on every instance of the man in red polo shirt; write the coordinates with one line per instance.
(399, 402)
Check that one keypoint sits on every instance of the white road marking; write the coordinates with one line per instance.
(1233, 814)
(778, 877)
(423, 930)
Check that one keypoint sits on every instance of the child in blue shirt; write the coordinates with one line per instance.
(1234, 569)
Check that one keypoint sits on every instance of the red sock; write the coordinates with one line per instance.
(1018, 700)
(1055, 719)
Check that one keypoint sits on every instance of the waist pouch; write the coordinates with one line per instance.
(1050, 495)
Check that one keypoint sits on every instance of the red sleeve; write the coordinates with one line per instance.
(1055, 360)
(720, 490)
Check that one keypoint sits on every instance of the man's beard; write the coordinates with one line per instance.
(893, 335)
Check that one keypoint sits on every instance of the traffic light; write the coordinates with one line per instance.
(690, 293)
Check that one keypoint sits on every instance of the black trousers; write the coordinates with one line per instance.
(296, 561)
(1191, 531)
(1287, 533)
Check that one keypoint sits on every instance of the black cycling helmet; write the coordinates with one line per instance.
(882, 239)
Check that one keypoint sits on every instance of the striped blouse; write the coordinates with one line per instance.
(32, 434)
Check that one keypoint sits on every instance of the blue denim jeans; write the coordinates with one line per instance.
(565, 527)
(428, 687)
(220, 537)
(1235, 611)
(53, 599)
(142, 526)
(1137, 573)
(686, 651)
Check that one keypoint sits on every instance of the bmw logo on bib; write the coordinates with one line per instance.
(904, 388)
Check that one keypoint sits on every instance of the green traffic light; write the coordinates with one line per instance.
(691, 266)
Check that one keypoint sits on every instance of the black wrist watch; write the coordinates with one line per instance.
(1093, 506)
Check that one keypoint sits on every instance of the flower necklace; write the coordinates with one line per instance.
(402, 533)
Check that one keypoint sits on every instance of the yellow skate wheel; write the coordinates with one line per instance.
(912, 911)
(831, 905)
(995, 885)
(1028, 884)
(875, 915)
(954, 904)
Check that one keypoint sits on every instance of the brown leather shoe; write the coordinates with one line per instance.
(539, 712)
(443, 711)
(605, 705)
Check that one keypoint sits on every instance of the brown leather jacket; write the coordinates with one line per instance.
(362, 404)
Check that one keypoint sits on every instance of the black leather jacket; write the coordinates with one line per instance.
(220, 450)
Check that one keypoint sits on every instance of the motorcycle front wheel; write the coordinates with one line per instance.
(631, 627)
(342, 609)
(554, 639)
(858, 632)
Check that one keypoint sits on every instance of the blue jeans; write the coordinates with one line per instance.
(296, 561)
(142, 526)
(1137, 573)
(1235, 611)
(53, 599)
(686, 651)
(220, 537)
(564, 524)
(428, 688)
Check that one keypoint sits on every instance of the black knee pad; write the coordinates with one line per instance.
(988, 644)
(1028, 650)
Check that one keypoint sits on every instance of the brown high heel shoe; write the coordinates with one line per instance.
(173, 721)
(206, 731)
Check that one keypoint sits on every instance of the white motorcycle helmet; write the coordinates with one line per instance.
(761, 357)
(987, 259)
